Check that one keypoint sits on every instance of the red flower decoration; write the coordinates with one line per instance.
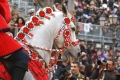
(25, 30)
(35, 19)
(21, 35)
(42, 14)
(74, 43)
(67, 39)
(73, 18)
(33, 55)
(48, 10)
(66, 44)
(30, 25)
(67, 20)
(66, 33)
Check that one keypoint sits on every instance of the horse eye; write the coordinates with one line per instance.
(73, 29)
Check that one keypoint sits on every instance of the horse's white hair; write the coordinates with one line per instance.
(45, 34)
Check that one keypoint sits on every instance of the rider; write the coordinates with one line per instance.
(9, 48)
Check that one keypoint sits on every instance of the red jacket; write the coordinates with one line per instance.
(7, 44)
(5, 15)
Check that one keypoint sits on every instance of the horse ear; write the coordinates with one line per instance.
(64, 10)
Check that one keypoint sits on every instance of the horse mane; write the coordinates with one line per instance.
(64, 10)
(44, 29)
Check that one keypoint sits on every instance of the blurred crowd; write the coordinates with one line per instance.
(92, 64)
(85, 11)
(89, 11)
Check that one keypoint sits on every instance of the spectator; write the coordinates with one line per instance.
(20, 22)
(36, 5)
(85, 12)
(58, 6)
(104, 1)
(75, 67)
(83, 47)
(61, 68)
(98, 3)
(99, 70)
(79, 14)
(80, 4)
(100, 55)
(31, 12)
(76, 4)
(110, 3)
(83, 58)
(92, 3)
(91, 20)
(109, 55)
(66, 75)
(111, 73)
(90, 11)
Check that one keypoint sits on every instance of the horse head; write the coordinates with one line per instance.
(68, 37)
(46, 28)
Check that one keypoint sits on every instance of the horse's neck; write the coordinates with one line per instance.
(45, 34)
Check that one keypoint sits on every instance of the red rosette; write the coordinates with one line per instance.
(74, 43)
(67, 20)
(48, 10)
(26, 30)
(66, 44)
(48, 17)
(35, 19)
(21, 35)
(33, 55)
(78, 41)
(67, 39)
(66, 33)
(30, 25)
(42, 14)
(73, 18)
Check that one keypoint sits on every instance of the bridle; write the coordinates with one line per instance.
(65, 28)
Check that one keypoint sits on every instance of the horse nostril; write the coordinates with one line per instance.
(79, 54)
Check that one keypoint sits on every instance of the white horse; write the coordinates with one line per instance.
(45, 29)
